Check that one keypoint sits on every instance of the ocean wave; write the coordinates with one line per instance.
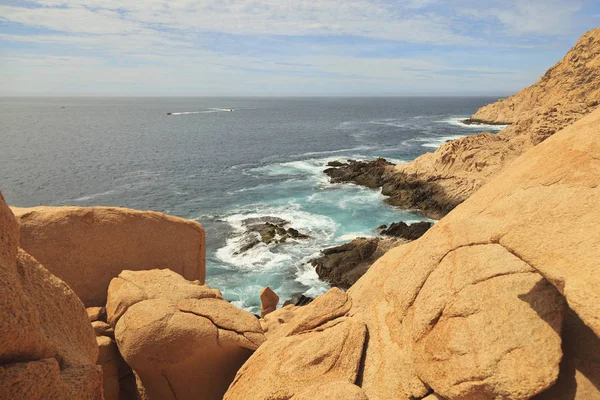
(435, 142)
(90, 196)
(207, 111)
(457, 121)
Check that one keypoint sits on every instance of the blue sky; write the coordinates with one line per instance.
(279, 47)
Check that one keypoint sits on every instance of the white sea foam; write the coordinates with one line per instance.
(435, 142)
(91, 196)
(207, 111)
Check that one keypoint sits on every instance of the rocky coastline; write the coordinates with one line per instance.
(498, 300)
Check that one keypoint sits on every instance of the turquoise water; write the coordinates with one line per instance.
(219, 167)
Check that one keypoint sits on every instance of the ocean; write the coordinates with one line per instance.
(220, 161)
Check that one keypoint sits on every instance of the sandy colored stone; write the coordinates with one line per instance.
(272, 322)
(102, 328)
(286, 366)
(109, 359)
(179, 337)
(268, 301)
(88, 246)
(96, 313)
(47, 346)
(330, 391)
(566, 93)
(538, 211)
(132, 287)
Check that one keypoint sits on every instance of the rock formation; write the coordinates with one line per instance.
(404, 231)
(566, 93)
(182, 340)
(318, 350)
(430, 306)
(47, 345)
(488, 304)
(268, 301)
(343, 265)
(88, 246)
(267, 230)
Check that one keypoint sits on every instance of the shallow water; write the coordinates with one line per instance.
(219, 167)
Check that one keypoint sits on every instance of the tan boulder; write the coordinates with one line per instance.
(179, 337)
(285, 366)
(88, 246)
(110, 360)
(268, 301)
(47, 345)
(533, 221)
(96, 313)
(272, 322)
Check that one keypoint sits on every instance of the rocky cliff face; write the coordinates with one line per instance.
(498, 300)
(566, 93)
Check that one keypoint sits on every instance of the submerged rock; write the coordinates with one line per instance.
(298, 299)
(364, 173)
(404, 231)
(267, 230)
(343, 265)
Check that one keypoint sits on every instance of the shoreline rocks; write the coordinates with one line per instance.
(342, 266)
(402, 190)
(475, 121)
(267, 230)
(404, 231)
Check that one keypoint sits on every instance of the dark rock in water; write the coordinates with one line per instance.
(405, 191)
(343, 265)
(364, 173)
(381, 227)
(267, 230)
(472, 121)
(298, 299)
(335, 164)
(405, 231)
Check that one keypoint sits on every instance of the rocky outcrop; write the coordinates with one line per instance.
(473, 308)
(566, 93)
(404, 231)
(88, 246)
(268, 301)
(267, 230)
(298, 299)
(403, 190)
(318, 349)
(47, 346)
(182, 340)
(343, 265)
(498, 300)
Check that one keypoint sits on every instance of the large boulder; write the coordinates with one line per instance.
(317, 351)
(182, 340)
(88, 246)
(47, 345)
(474, 308)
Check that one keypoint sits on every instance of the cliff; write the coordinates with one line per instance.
(498, 300)
(566, 93)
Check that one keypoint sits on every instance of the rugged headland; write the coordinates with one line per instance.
(498, 300)
(437, 182)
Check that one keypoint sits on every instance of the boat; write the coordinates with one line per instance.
(169, 113)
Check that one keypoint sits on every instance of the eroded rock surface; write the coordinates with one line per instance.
(182, 340)
(473, 309)
(47, 345)
(88, 246)
(318, 348)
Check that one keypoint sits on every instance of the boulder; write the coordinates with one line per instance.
(47, 345)
(88, 246)
(404, 231)
(342, 266)
(474, 308)
(317, 348)
(96, 313)
(268, 301)
(182, 340)
(298, 299)
(273, 321)
(334, 390)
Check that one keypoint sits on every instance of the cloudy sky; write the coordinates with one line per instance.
(284, 47)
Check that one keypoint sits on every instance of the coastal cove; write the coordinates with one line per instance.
(266, 159)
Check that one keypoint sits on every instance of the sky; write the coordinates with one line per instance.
(284, 47)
